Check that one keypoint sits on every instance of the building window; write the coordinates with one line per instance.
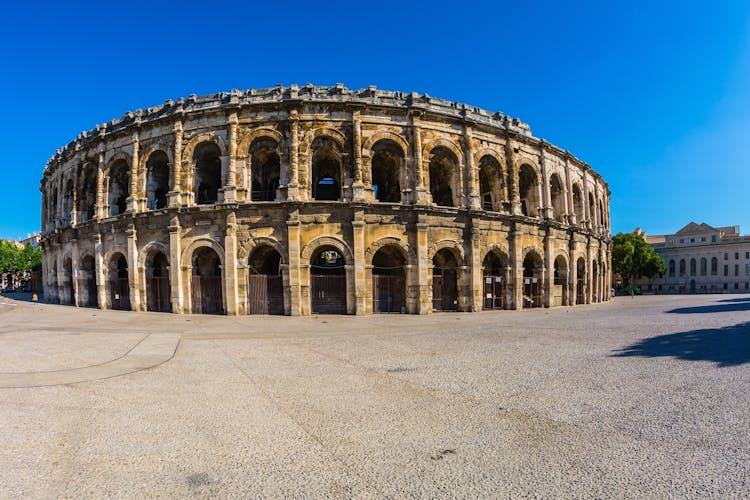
(726, 256)
(671, 268)
(703, 266)
(714, 266)
(713, 238)
(747, 269)
(682, 240)
(736, 269)
(726, 270)
(692, 267)
(736, 286)
(736, 255)
(682, 267)
(660, 288)
(747, 255)
(725, 286)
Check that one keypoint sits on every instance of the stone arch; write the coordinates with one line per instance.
(444, 143)
(153, 148)
(322, 132)
(558, 195)
(154, 176)
(498, 250)
(373, 139)
(187, 253)
(338, 244)
(148, 249)
(87, 191)
(327, 168)
(243, 147)
(494, 154)
(116, 248)
(189, 149)
(492, 182)
(393, 241)
(454, 247)
(529, 182)
(248, 247)
(114, 158)
(262, 167)
(117, 189)
(384, 168)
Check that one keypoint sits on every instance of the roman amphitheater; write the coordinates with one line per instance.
(305, 199)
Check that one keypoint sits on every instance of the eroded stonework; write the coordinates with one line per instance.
(301, 200)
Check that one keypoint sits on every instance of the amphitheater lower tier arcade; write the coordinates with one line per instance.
(306, 200)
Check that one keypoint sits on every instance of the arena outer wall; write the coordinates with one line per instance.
(305, 199)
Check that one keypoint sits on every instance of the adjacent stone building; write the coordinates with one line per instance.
(302, 200)
(701, 259)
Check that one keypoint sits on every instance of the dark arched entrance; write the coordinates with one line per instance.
(594, 282)
(388, 281)
(494, 269)
(68, 289)
(444, 281)
(87, 283)
(327, 282)
(560, 283)
(532, 280)
(265, 290)
(158, 291)
(581, 281)
(207, 296)
(119, 289)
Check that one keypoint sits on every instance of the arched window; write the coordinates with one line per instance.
(592, 211)
(527, 191)
(387, 159)
(119, 187)
(490, 183)
(68, 200)
(558, 198)
(157, 180)
(207, 160)
(671, 268)
(682, 267)
(442, 166)
(703, 266)
(265, 169)
(692, 267)
(87, 193)
(714, 266)
(577, 203)
(326, 170)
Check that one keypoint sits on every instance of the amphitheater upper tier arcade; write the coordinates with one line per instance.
(303, 200)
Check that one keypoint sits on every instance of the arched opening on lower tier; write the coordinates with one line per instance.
(533, 271)
(594, 281)
(444, 281)
(581, 281)
(87, 283)
(265, 287)
(119, 287)
(68, 296)
(207, 296)
(327, 281)
(158, 288)
(495, 278)
(560, 282)
(389, 280)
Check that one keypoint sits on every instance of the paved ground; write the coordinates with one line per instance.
(643, 397)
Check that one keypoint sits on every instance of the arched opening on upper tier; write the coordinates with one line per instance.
(207, 160)
(387, 158)
(157, 180)
(265, 169)
(442, 170)
(119, 187)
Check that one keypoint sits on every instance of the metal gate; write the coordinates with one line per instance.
(532, 292)
(493, 292)
(206, 295)
(328, 293)
(158, 294)
(88, 292)
(119, 292)
(388, 294)
(445, 290)
(265, 294)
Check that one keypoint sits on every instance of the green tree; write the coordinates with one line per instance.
(633, 258)
(16, 264)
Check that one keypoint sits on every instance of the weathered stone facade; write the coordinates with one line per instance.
(300, 200)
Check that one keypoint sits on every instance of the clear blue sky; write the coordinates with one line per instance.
(654, 95)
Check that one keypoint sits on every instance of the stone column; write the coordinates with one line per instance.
(549, 266)
(589, 273)
(230, 265)
(175, 267)
(101, 283)
(423, 268)
(473, 201)
(292, 191)
(230, 186)
(547, 209)
(515, 199)
(477, 278)
(569, 207)
(358, 248)
(134, 278)
(60, 200)
(74, 208)
(102, 206)
(421, 192)
(586, 207)
(293, 244)
(132, 200)
(358, 187)
(175, 195)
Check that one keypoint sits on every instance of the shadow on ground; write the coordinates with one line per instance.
(725, 305)
(728, 346)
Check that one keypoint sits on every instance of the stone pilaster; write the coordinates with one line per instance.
(132, 200)
(292, 189)
(472, 181)
(423, 269)
(358, 231)
(230, 184)
(175, 274)
(74, 272)
(549, 270)
(134, 280)
(547, 210)
(516, 252)
(513, 194)
(230, 265)
(477, 283)
(358, 187)
(102, 206)
(101, 284)
(421, 192)
(293, 243)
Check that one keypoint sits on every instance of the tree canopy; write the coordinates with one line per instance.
(17, 264)
(633, 257)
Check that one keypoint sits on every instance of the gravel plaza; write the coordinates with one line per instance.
(640, 397)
